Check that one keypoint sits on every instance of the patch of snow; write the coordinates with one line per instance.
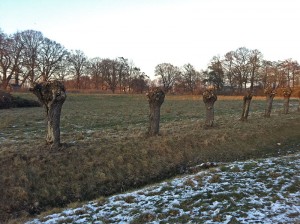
(247, 192)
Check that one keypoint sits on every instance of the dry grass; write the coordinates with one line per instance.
(106, 150)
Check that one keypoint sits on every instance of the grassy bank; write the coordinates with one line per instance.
(262, 190)
(106, 150)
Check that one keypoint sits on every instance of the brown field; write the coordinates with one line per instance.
(106, 150)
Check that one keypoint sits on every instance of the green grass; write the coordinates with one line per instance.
(106, 150)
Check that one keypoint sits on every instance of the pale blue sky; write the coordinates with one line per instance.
(150, 32)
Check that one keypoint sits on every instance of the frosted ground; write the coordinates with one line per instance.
(254, 191)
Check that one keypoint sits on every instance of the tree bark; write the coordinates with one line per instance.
(52, 95)
(246, 105)
(270, 94)
(155, 98)
(209, 98)
(287, 92)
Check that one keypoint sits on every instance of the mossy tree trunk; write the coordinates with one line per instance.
(246, 105)
(52, 95)
(270, 94)
(287, 92)
(155, 98)
(209, 98)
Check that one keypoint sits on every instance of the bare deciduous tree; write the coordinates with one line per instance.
(123, 72)
(96, 74)
(64, 71)
(5, 60)
(50, 58)
(10, 59)
(32, 41)
(255, 58)
(168, 74)
(228, 65)
(78, 63)
(190, 77)
(215, 73)
(109, 69)
(52, 95)
(266, 72)
(138, 82)
(241, 67)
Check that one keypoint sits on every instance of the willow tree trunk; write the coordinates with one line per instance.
(287, 92)
(209, 98)
(155, 98)
(270, 94)
(246, 105)
(52, 95)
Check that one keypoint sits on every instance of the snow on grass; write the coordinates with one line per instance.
(254, 191)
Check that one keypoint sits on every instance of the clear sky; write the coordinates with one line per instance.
(150, 32)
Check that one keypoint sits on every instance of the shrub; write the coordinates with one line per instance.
(8, 101)
(5, 100)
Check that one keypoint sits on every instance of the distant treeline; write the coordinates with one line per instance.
(27, 57)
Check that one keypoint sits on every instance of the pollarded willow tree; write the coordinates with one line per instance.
(287, 92)
(246, 105)
(270, 94)
(52, 95)
(156, 98)
(209, 98)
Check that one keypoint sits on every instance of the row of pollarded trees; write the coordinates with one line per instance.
(53, 94)
(156, 98)
(270, 93)
(210, 97)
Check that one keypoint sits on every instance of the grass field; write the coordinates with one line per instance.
(106, 149)
(84, 115)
